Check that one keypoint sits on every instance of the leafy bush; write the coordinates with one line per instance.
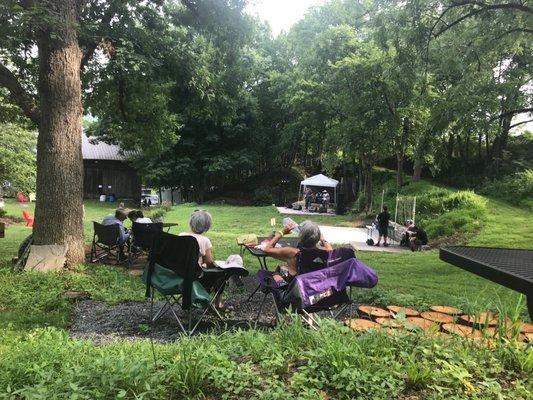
(441, 211)
(262, 197)
(515, 189)
(3, 212)
(158, 213)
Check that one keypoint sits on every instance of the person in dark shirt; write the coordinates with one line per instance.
(383, 226)
(417, 237)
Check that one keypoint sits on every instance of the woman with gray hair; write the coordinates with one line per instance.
(200, 222)
(310, 237)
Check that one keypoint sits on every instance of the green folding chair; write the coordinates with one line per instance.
(173, 272)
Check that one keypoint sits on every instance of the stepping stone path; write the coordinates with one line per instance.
(446, 310)
(408, 312)
(485, 318)
(440, 320)
(437, 317)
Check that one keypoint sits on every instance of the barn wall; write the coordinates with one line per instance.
(114, 177)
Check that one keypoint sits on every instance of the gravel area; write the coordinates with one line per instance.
(103, 322)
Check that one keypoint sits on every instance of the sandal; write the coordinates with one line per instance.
(225, 309)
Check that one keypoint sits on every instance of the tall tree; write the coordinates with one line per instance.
(43, 47)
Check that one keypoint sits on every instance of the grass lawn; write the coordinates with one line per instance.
(416, 279)
(38, 359)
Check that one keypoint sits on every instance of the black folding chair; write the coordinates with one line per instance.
(174, 272)
(143, 236)
(106, 242)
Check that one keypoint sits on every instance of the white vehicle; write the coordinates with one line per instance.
(147, 198)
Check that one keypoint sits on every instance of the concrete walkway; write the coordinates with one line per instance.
(285, 210)
(356, 237)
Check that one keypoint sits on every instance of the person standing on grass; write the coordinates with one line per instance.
(308, 198)
(383, 226)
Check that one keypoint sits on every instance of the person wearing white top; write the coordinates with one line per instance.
(200, 222)
(138, 216)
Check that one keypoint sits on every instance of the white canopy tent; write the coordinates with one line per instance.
(320, 180)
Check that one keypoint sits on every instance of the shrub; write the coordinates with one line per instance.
(3, 212)
(516, 188)
(262, 197)
(159, 213)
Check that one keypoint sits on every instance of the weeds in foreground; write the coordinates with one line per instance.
(289, 362)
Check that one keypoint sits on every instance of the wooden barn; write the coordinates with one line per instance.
(106, 171)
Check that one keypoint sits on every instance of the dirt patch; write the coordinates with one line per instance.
(103, 322)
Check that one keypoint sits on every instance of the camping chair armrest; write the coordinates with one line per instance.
(212, 270)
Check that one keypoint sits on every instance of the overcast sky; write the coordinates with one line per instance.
(281, 14)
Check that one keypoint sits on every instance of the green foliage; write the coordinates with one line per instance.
(17, 157)
(35, 299)
(262, 197)
(160, 211)
(332, 362)
(516, 188)
(443, 212)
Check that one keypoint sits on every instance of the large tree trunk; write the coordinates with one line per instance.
(418, 157)
(59, 208)
(500, 143)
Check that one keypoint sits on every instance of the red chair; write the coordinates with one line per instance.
(28, 218)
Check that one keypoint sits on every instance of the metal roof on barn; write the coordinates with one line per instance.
(96, 150)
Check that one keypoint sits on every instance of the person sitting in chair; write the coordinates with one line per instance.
(200, 222)
(138, 216)
(118, 218)
(417, 237)
(310, 237)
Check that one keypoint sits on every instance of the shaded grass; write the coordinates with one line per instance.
(290, 362)
(506, 226)
(414, 279)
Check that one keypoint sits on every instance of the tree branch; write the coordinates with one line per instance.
(520, 123)
(459, 20)
(93, 45)
(23, 99)
(500, 6)
(513, 112)
(483, 7)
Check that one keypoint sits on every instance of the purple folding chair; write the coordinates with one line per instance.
(320, 289)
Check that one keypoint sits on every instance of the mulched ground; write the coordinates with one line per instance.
(103, 322)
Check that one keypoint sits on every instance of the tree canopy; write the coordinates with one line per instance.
(206, 96)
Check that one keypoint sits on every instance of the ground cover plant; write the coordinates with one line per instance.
(290, 362)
